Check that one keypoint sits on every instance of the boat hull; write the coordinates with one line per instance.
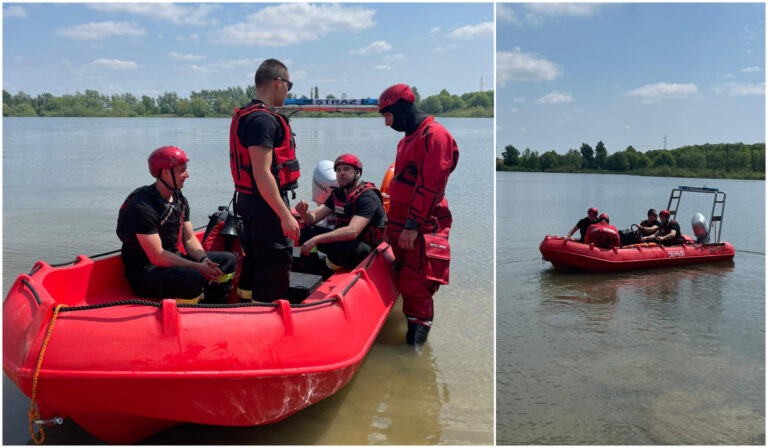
(126, 372)
(564, 253)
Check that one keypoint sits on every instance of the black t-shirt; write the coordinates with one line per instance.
(367, 205)
(260, 128)
(583, 225)
(148, 213)
(672, 225)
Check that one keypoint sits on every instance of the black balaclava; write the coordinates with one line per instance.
(406, 117)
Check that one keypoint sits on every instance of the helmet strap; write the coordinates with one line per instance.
(160, 178)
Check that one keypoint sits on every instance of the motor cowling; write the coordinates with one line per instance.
(323, 181)
(700, 228)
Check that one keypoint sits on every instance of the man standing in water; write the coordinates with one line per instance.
(264, 168)
(418, 221)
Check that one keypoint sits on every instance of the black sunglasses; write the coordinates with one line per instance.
(289, 83)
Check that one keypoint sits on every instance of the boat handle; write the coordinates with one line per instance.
(26, 283)
(50, 421)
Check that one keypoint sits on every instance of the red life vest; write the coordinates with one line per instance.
(602, 235)
(345, 210)
(284, 167)
(425, 159)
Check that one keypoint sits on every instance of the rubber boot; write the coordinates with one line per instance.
(217, 292)
(417, 333)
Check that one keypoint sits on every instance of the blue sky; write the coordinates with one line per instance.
(148, 49)
(628, 74)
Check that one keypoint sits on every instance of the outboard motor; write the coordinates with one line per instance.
(323, 181)
(700, 228)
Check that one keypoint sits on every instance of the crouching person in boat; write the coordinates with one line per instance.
(584, 224)
(418, 221)
(602, 234)
(153, 224)
(359, 216)
(650, 226)
(669, 233)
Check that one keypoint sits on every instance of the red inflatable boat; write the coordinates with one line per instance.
(565, 253)
(124, 368)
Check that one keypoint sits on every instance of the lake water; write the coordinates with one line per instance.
(65, 178)
(660, 356)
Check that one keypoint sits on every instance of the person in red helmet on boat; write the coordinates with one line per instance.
(669, 233)
(360, 218)
(603, 234)
(264, 169)
(418, 221)
(153, 224)
(584, 224)
(650, 226)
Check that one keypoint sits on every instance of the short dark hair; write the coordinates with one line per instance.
(652, 212)
(268, 71)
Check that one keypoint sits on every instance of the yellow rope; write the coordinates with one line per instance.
(34, 414)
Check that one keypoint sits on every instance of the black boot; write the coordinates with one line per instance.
(417, 333)
(217, 292)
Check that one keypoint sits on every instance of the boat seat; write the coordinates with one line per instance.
(301, 286)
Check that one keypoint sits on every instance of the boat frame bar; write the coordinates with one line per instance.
(716, 216)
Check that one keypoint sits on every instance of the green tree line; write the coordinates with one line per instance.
(720, 160)
(208, 103)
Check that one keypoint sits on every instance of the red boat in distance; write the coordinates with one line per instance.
(566, 253)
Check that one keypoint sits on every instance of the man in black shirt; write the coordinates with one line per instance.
(669, 232)
(360, 218)
(264, 169)
(650, 226)
(584, 224)
(153, 224)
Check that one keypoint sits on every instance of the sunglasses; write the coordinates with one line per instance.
(288, 83)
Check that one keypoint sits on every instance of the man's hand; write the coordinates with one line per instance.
(307, 246)
(209, 270)
(302, 208)
(407, 239)
(290, 227)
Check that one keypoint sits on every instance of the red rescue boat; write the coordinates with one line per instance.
(124, 368)
(565, 253)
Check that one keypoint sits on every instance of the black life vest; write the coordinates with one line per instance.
(345, 210)
(179, 204)
(284, 167)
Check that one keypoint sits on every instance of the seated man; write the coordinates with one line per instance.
(602, 234)
(584, 224)
(649, 226)
(153, 223)
(669, 233)
(360, 218)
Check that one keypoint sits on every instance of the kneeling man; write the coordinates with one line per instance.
(359, 216)
(153, 223)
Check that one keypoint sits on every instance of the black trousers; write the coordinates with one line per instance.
(155, 282)
(342, 253)
(268, 253)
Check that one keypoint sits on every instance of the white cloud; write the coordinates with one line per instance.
(294, 23)
(741, 89)
(434, 29)
(376, 46)
(470, 32)
(202, 68)
(15, 12)
(102, 30)
(653, 93)
(19, 59)
(505, 13)
(729, 75)
(555, 98)
(627, 128)
(116, 64)
(750, 69)
(539, 13)
(393, 57)
(186, 57)
(519, 66)
(522, 129)
(518, 99)
(383, 67)
(178, 14)
(299, 74)
(444, 48)
(513, 109)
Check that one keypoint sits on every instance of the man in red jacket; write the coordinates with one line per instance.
(418, 221)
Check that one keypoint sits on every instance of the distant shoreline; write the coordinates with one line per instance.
(678, 172)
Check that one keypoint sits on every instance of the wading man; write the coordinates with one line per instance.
(418, 221)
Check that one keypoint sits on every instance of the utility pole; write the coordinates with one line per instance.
(665, 142)
(481, 83)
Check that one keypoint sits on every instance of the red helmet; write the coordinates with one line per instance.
(165, 158)
(394, 93)
(348, 159)
(604, 217)
(664, 213)
(592, 211)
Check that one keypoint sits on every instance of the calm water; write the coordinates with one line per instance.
(673, 356)
(65, 178)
